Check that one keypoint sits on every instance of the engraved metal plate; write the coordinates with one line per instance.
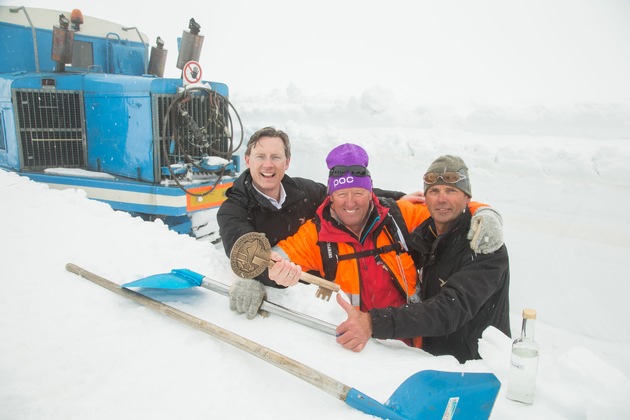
(250, 255)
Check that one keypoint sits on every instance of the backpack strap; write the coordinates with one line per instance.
(329, 252)
(400, 226)
(330, 259)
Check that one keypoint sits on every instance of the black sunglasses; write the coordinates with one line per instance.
(356, 170)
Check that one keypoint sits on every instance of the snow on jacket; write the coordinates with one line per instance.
(246, 210)
(462, 294)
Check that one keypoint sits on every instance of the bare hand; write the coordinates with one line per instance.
(284, 272)
(354, 333)
(416, 197)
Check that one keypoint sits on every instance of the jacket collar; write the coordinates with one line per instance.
(427, 243)
(244, 192)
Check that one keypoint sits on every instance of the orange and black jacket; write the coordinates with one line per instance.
(303, 249)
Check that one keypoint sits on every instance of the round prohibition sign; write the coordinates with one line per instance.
(192, 72)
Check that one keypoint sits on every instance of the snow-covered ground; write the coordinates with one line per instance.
(534, 97)
(72, 350)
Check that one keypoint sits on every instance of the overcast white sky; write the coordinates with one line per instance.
(478, 51)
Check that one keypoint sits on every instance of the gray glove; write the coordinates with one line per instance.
(486, 234)
(246, 296)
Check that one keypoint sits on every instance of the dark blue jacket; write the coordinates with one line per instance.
(462, 294)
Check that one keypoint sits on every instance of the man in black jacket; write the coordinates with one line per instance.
(461, 293)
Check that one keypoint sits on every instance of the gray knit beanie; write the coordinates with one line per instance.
(450, 163)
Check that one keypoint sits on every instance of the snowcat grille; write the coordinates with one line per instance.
(50, 128)
(194, 127)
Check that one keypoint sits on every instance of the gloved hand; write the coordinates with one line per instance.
(246, 296)
(486, 234)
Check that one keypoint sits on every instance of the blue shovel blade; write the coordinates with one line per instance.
(177, 279)
(432, 394)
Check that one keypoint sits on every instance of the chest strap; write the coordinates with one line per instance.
(331, 257)
(377, 251)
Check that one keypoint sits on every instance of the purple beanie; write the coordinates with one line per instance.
(348, 155)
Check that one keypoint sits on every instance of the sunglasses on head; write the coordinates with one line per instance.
(448, 177)
(356, 170)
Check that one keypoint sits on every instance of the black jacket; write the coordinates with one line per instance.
(246, 210)
(462, 294)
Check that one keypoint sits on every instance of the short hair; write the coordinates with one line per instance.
(269, 132)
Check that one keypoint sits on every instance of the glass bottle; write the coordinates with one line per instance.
(524, 362)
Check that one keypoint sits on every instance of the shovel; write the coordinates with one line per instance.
(428, 394)
(183, 279)
(250, 256)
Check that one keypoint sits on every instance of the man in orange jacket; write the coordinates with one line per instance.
(365, 235)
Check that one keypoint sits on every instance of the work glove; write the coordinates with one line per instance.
(486, 234)
(246, 297)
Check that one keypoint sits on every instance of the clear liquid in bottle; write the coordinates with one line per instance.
(524, 362)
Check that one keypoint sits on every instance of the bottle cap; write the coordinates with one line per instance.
(529, 313)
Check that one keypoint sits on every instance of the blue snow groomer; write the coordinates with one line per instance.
(83, 104)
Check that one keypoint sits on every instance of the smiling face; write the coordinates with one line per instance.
(267, 163)
(445, 203)
(352, 205)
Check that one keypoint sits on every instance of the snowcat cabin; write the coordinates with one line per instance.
(42, 40)
(84, 104)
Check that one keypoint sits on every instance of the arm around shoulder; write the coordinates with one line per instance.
(395, 195)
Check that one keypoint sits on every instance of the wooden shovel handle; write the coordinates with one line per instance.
(318, 281)
(306, 373)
